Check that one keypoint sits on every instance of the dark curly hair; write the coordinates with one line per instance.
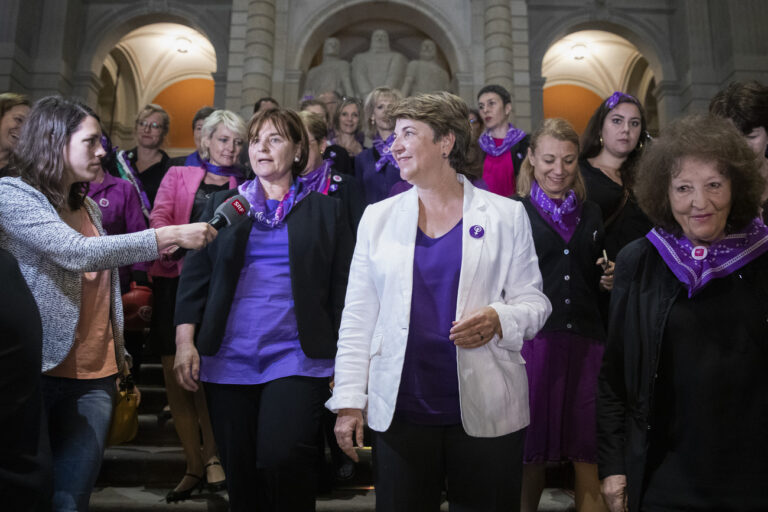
(591, 145)
(710, 139)
(39, 155)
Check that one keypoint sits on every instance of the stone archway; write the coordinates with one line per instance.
(423, 18)
(649, 34)
(109, 27)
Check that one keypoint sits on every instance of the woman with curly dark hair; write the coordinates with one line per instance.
(610, 148)
(683, 400)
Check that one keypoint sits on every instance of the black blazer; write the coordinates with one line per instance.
(347, 189)
(319, 251)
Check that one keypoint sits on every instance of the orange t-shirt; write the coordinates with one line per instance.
(93, 354)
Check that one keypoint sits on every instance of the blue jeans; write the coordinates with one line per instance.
(79, 413)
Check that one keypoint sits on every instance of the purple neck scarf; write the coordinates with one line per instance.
(488, 145)
(193, 160)
(562, 214)
(382, 148)
(695, 266)
(254, 193)
(318, 180)
(230, 171)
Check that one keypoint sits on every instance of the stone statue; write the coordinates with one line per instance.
(330, 75)
(425, 74)
(378, 67)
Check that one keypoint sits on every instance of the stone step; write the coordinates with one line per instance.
(153, 432)
(140, 499)
(152, 373)
(142, 465)
(153, 399)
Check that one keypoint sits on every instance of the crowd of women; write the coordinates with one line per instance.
(486, 301)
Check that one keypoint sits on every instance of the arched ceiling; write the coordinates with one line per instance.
(606, 63)
(156, 62)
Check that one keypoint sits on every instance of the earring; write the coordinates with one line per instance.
(445, 156)
(296, 159)
(601, 141)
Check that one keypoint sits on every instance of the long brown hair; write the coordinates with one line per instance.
(39, 154)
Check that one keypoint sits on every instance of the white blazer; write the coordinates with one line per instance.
(499, 269)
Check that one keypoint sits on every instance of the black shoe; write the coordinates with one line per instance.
(214, 486)
(184, 494)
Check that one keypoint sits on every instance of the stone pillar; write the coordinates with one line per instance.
(521, 95)
(259, 52)
(498, 44)
(668, 101)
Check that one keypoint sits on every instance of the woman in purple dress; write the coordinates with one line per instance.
(682, 408)
(375, 167)
(444, 286)
(563, 360)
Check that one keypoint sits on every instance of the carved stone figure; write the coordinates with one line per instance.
(330, 75)
(378, 67)
(425, 74)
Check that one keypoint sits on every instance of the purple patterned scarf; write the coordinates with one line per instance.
(512, 137)
(562, 214)
(319, 180)
(695, 266)
(382, 148)
(129, 173)
(254, 193)
(614, 98)
(230, 171)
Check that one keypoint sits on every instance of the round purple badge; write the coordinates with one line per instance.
(103, 202)
(476, 231)
(699, 252)
(333, 188)
(336, 178)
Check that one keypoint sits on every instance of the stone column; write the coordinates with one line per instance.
(498, 44)
(259, 52)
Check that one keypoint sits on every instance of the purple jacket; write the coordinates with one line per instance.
(120, 214)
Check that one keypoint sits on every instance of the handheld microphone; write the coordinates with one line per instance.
(232, 211)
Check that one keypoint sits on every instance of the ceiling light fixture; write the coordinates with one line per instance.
(183, 45)
(579, 51)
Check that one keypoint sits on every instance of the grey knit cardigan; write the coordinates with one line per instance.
(52, 257)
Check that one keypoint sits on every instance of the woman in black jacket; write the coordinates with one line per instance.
(683, 398)
(563, 359)
(258, 316)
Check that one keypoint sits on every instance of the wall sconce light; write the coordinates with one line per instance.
(579, 51)
(183, 45)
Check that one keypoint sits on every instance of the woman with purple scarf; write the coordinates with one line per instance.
(683, 399)
(181, 198)
(375, 167)
(257, 320)
(563, 360)
(321, 175)
(504, 145)
(611, 147)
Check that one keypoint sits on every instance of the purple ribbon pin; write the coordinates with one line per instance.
(476, 231)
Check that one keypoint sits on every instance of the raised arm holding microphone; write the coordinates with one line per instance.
(54, 230)
(258, 314)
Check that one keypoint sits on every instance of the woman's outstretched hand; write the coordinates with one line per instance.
(188, 236)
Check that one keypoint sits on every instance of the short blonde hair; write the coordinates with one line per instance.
(370, 105)
(153, 108)
(444, 113)
(558, 129)
(229, 119)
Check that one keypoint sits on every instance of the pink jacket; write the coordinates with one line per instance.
(173, 206)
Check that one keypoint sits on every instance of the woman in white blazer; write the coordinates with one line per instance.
(443, 289)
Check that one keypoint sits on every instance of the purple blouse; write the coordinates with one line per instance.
(429, 383)
(261, 340)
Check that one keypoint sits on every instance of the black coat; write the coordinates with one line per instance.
(348, 191)
(319, 252)
(575, 300)
(644, 292)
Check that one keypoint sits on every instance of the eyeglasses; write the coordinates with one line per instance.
(146, 124)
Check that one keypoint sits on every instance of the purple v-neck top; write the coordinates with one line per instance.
(261, 340)
(429, 384)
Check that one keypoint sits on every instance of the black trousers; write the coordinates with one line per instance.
(267, 436)
(414, 463)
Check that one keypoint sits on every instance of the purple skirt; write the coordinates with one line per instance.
(562, 375)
